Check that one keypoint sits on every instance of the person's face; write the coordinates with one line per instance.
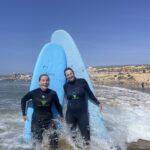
(44, 83)
(69, 75)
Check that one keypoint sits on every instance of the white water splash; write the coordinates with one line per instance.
(126, 113)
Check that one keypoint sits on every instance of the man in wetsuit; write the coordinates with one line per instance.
(42, 99)
(76, 91)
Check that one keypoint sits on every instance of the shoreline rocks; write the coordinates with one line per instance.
(139, 145)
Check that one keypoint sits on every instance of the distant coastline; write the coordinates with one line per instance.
(128, 76)
(17, 76)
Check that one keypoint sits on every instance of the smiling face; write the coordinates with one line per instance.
(44, 82)
(69, 75)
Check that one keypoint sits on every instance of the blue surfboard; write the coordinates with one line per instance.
(75, 61)
(52, 61)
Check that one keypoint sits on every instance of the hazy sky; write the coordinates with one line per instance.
(107, 32)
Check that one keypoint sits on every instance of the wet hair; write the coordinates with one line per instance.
(44, 74)
(68, 68)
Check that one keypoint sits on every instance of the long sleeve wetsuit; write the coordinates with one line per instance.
(77, 107)
(42, 114)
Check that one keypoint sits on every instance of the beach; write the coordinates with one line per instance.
(132, 76)
(129, 77)
(125, 111)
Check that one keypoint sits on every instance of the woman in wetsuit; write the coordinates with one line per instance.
(42, 99)
(76, 91)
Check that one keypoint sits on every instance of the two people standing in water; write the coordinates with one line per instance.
(77, 115)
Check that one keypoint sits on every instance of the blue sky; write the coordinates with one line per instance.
(107, 32)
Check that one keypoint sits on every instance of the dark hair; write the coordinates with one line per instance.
(68, 68)
(44, 74)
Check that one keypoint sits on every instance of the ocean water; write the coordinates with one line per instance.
(126, 114)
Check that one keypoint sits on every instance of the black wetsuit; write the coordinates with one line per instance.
(42, 114)
(77, 107)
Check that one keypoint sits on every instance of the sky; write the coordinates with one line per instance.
(107, 32)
